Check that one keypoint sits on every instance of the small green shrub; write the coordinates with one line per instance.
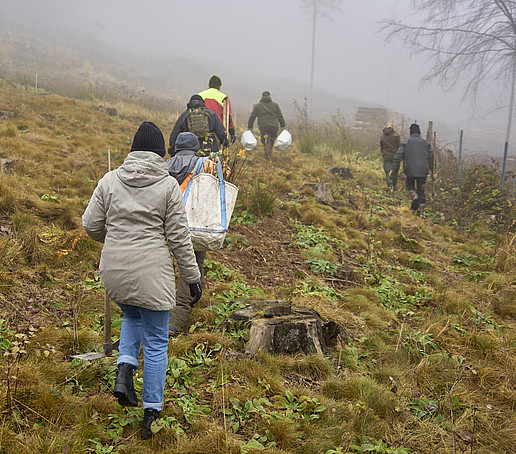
(420, 263)
(322, 266)
(260, 200)
(242, 216)
(306, 143)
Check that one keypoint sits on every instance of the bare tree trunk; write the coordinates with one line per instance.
(314, 26)
(509, 122)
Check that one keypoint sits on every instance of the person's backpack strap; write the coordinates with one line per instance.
(197, 169)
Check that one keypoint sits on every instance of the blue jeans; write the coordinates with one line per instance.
(150, 328)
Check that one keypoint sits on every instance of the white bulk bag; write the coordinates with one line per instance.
(248, 140)
(283, 141)
(209, 203)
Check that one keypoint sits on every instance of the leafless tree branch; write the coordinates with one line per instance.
(472, 41)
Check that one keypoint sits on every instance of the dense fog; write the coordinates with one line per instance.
(267, 44)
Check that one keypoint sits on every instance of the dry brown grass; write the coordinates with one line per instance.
(60, 147)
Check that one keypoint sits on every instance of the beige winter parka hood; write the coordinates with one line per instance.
(137, 211)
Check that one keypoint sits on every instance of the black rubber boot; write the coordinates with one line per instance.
(124, 386)
(415, 200)
(421, 210)
(149, 416)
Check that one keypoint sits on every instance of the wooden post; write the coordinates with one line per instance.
(430, 131)
(225, 116)
(435, 152)
(434, 167)
(460, 149)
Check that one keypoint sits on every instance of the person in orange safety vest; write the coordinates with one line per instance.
(218, 102)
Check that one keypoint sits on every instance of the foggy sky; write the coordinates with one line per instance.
(268, 39)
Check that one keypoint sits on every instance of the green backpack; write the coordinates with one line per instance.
(198, 124)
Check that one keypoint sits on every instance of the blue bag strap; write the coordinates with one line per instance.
(199, 166)
(222, 196)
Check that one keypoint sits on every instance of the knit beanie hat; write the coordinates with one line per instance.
(149, 138)
(195, 101)
(414, 129)
(214, 82)
(186, 141)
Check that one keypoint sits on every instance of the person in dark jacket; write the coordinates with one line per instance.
(418, 157)
(389, 144)
(270, 119)
(180, 166)
(208, 128)
(137, 212)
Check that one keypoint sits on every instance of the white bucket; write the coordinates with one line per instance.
(248, 140)
(283, 141)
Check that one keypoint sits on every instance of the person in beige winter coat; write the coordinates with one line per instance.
(137, 211)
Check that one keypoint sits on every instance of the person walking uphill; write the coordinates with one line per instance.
(418, 157)
(137, 211)
(270, 119)
(202, 122)
(389, 144)
(218, 102)
(181, 166)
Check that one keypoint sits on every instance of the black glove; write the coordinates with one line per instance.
(232, 134)
(225, 143)
(195, 292)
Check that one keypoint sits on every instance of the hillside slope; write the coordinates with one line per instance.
(424, 362)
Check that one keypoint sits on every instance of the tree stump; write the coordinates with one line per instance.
(278, 327)
(323, 194)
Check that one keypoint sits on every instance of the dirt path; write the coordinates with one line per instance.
(268, 260)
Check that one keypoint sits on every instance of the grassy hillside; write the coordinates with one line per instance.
(425, 360)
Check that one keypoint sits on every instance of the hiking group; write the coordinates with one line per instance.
(138, 212)
(417, 156)
(141, 213)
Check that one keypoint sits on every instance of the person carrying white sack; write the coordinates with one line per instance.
(181, 166)
(270, 119)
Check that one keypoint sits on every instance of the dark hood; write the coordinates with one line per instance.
(195, 101)
(186, 141)
(266, 98)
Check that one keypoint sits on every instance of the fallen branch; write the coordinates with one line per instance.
(342, 280)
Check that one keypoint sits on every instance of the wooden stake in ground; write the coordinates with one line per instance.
(108, 344)
(434, 168)
(225, 116)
